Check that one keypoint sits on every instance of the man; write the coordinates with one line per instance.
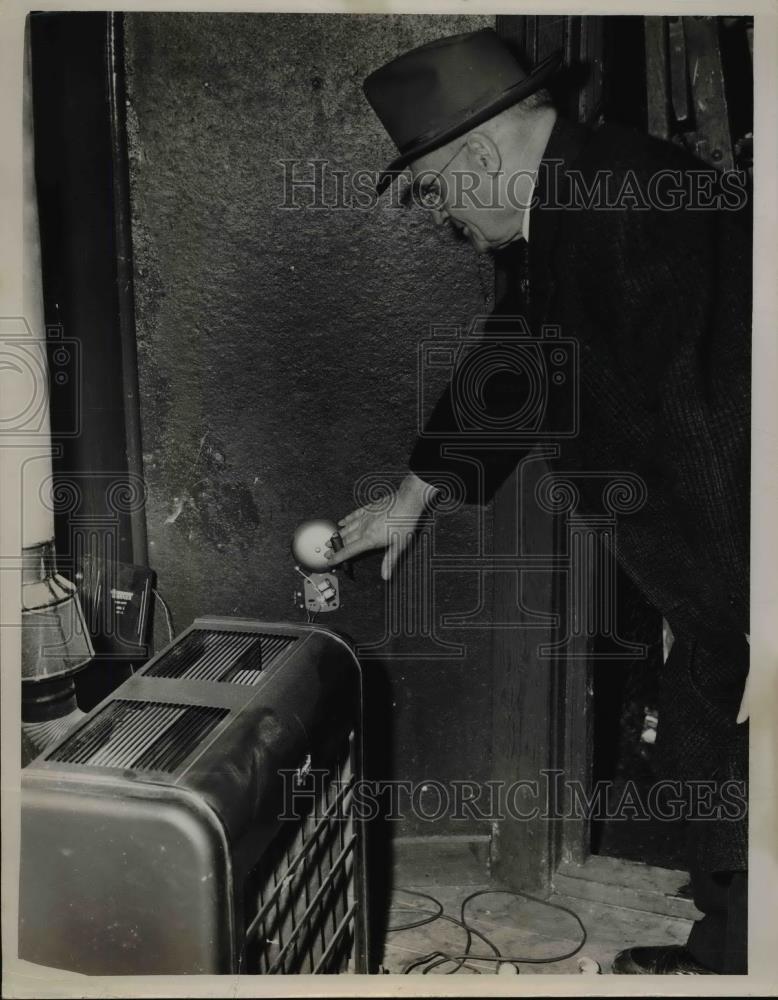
(643, 257)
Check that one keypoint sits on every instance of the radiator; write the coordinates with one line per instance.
(200, 819)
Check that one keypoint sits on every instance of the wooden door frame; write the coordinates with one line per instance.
(542, 718)
(541, 706)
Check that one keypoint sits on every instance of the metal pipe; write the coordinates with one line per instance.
(124, 275)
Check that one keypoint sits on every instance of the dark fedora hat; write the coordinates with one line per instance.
(432, 94)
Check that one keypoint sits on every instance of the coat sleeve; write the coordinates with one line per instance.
(452, 444)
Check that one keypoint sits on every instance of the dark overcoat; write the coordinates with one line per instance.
(642, 255)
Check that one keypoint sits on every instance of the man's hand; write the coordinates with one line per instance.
(388, 524)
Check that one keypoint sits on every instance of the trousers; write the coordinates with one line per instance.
(719, 939)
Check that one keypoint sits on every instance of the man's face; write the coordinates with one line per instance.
(459, 189)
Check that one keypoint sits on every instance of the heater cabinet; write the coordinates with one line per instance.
(200, 819)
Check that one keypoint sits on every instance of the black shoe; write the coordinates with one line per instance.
(661, 960)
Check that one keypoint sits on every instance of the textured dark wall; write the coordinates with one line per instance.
(278, 348)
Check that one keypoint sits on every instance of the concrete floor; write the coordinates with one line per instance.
(525, 929)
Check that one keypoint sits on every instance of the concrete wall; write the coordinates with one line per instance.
(278, 348)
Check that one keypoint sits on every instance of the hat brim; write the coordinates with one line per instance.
(532, 83)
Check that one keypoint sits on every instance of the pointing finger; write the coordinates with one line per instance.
(352, 549)
(390, 560)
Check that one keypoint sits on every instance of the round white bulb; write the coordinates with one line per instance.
(309, 544)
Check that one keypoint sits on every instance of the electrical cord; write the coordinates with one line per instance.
(168, 615)
(436, 958)
(418, 923)
(543, 902)
(463, 960)
(440, 957)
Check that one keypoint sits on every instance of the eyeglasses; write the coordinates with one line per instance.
(426, 189)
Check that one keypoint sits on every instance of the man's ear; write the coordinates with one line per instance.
(483, 152)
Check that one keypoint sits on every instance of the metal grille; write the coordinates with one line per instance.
(140, 736)
(221, 655)
(299, 901)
